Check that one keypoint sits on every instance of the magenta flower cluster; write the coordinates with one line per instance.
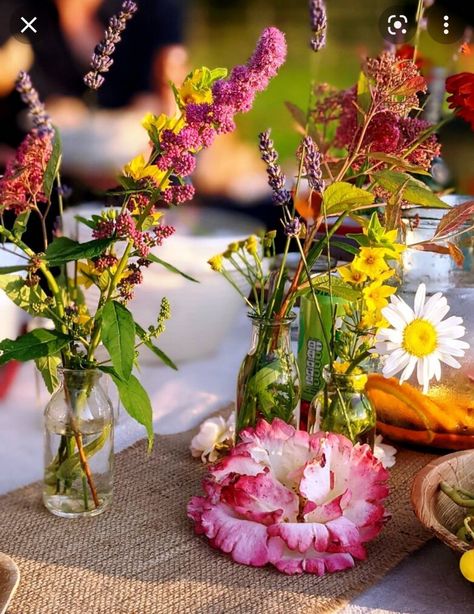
(124, 227)
(204, 121)
(21, 187)
(387, 133)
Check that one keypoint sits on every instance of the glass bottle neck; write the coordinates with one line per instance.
(274, 332)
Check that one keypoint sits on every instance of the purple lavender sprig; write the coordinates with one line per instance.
(276, 178)
(102, 56)
(319, 23)
(29, 95)
(312, 164)
(293, 227)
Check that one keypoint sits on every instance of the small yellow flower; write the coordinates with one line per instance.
(340, 367)
(251, 245)
(371, 261)
(352, 276)
(157, 123)
(138, 169)
(359, 381)
(216, 263)
(375, 295)
(86, 273)
(193, 91)
(373, 319)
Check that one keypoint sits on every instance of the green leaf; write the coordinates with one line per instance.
(4, 270)
(48, 367)
(346, 247)
(135, 400)
(35, 344)
(297, 114)
(142, 335)
(455, 220)
(362, 240)
(170, 267)
(337, 288)
(20, 224)
(267, 376)
(399, 162)
(414, 191)
(218, 73)
(32, 300)
(118, 336)
(52, 167)
(71, 467)
(63, 250)
(85, 221)
(363, 92)
(342, 196)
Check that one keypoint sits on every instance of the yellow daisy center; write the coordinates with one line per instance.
(420, 338)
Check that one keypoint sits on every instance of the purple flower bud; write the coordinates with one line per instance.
(37, 111)
(292, 228)
(318, 22)
(276, 178)
(101, 59)
(312, 164)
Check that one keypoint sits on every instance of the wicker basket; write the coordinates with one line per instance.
(434, 509)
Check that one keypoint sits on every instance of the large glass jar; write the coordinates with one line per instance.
(268, 384)
(444, 417)
(78, 423)
(343, 407)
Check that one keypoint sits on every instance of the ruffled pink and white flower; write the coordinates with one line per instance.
(304, 503)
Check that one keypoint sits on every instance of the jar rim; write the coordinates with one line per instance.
(90, 370)
(272, 321)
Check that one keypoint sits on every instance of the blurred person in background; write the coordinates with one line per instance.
(100, 131)
(58, 55)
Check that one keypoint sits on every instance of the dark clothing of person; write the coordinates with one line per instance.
(56, 70)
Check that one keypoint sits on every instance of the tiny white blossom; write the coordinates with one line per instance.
(384, 452)
(213, 432)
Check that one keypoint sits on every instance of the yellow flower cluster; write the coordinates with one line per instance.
(357, 376)
(367, 273)
(196, 88)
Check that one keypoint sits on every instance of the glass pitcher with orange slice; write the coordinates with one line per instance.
(442, 417)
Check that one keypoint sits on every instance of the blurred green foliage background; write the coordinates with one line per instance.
(223, 33)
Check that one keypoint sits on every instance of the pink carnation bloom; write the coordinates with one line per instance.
(304, 503)
(21, 187)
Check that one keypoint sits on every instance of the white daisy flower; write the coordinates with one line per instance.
(420, 338)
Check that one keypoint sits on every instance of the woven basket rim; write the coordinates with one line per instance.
(424, 513)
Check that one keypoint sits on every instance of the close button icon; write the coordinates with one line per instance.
(28, 25)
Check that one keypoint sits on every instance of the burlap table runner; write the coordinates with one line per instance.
(142, 556)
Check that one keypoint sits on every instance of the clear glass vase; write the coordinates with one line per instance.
(78, 422)
(268, 384)
(343, 407)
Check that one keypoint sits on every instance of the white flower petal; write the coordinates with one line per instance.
(419, 302)
(395, 319)
(434, 306)
(449, 360)
(409, 369)
(450, 348)
(396, 362)
(404, 310)
(453, 332)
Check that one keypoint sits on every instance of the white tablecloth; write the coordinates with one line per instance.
(425, 583)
